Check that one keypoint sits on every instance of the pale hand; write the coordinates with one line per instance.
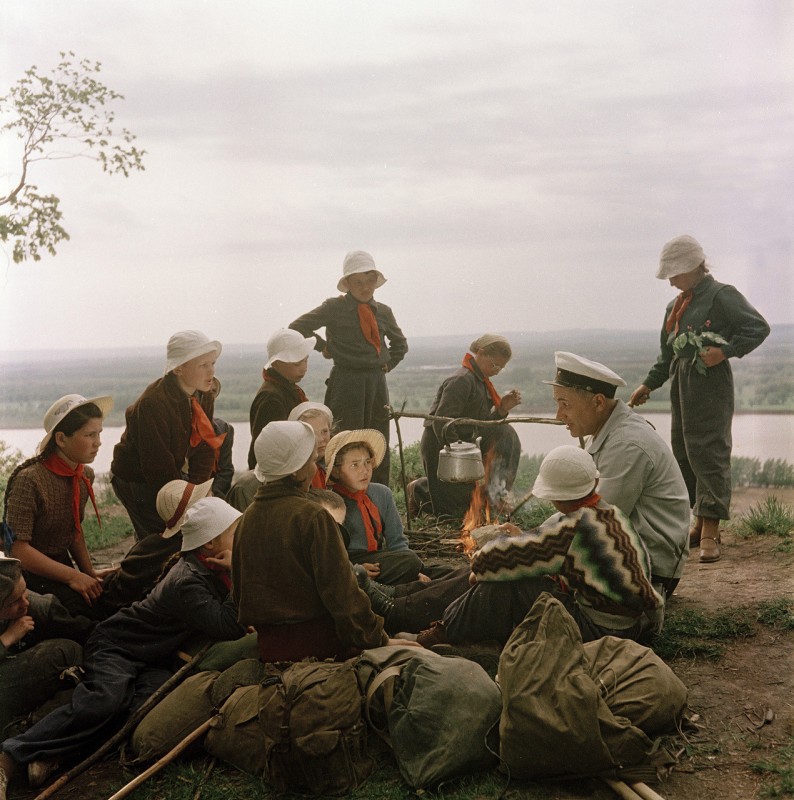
(222, 560)
(373, 570)
(86, 585)
(422, 578)
(510, 401)
(17, 630)
(510, 529)
(711, 356)
(640, 395)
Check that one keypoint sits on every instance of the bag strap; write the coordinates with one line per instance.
(389, 674)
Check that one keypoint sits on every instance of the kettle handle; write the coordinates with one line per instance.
(444, 432)
(448, 426)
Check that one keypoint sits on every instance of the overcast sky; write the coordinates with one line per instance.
(509, 165)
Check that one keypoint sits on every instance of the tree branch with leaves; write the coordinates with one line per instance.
(67, 115)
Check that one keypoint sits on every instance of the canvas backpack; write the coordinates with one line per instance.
(581, 710)
(313, 732)
(435, 712)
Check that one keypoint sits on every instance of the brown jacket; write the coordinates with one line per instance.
(289, 565)
(156, 442)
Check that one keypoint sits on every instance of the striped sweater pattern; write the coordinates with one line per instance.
(594, 550)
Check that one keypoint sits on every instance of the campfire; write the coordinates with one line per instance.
(488, 501)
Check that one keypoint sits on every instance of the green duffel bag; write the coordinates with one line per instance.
(172, 719)
(235, 735)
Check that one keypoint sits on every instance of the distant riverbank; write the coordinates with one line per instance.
(760, 435)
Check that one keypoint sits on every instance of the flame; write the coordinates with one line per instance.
(479, 511)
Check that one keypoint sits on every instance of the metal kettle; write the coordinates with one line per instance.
(460, 462)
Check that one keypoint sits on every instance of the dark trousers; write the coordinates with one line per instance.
(700, 434)
(114, 683)
(453, 499)
(418, 604)
(140, 502)
(73, 601)
(396, 566)
(138, 571)
(30, 678)
(357, 399)
(490, 610)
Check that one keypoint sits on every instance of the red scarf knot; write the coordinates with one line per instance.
(373, 525)
(201, 429)
(469, 363)
(677, 311)
(369, 325)
(55, 464)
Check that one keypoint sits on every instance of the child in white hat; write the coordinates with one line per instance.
(364, 342)
(287, 363)
(169, 433)
(125, 653)
(587, 556)
(45, 502)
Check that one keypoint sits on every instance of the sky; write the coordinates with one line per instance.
(511, 165)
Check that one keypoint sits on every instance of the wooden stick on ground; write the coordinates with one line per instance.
(166, 759)
(133, 720)
(621, 789)
(645, 791)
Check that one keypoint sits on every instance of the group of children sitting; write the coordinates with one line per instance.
(307, 554)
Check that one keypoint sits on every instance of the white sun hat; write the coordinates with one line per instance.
(175, 498)
(63, 406)
(205, 520)
(187, 345)
(358, 261)
(679, 256)
(308, 405)
(282, 448)
(567, 473)
(288, 346)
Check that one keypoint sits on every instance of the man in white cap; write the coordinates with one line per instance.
(287, 363)
(365, 342)
(638, 471)
(588, 556)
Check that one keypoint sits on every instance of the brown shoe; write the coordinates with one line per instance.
(709, 550)
(433, 635)
(40, 771)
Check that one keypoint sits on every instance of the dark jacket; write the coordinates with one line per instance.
(289, 564)
(345, 341)
(273, 402)
(189, 600)
(716, 307)
(156, 441)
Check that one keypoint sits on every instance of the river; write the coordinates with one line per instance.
(760, 436)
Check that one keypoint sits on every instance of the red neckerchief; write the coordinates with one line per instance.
(469, 363)
(590, 501)
(58, 466)
(268, 378)
(674, 317)
(369, 325)
(201, 429)
(373, 526)
(318, 481)
(224, 576)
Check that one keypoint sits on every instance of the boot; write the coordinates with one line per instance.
(709, 549)
(40, 771)
(379, 597)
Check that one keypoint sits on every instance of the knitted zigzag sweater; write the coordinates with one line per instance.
(595, 550)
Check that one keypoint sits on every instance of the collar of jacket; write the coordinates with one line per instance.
(352, 303)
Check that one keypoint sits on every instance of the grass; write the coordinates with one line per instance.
(769, 518)
(778, 772)
(115, 527)
(693, 634)
(777, 614)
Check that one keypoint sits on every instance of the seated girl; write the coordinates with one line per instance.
(375, 530)
(45, 503)
(291, 575)
(321, 420)
(126, 656)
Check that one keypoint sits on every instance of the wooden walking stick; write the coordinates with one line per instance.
(166, 759)
(396, 418)
(133, 720)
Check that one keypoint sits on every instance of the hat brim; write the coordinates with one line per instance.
(200, 492)
(104, 403)
(199, 350)
(369, 436)
(343, 287)
(294, 354)
(545, 491)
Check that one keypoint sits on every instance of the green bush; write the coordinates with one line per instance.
(768, 517)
